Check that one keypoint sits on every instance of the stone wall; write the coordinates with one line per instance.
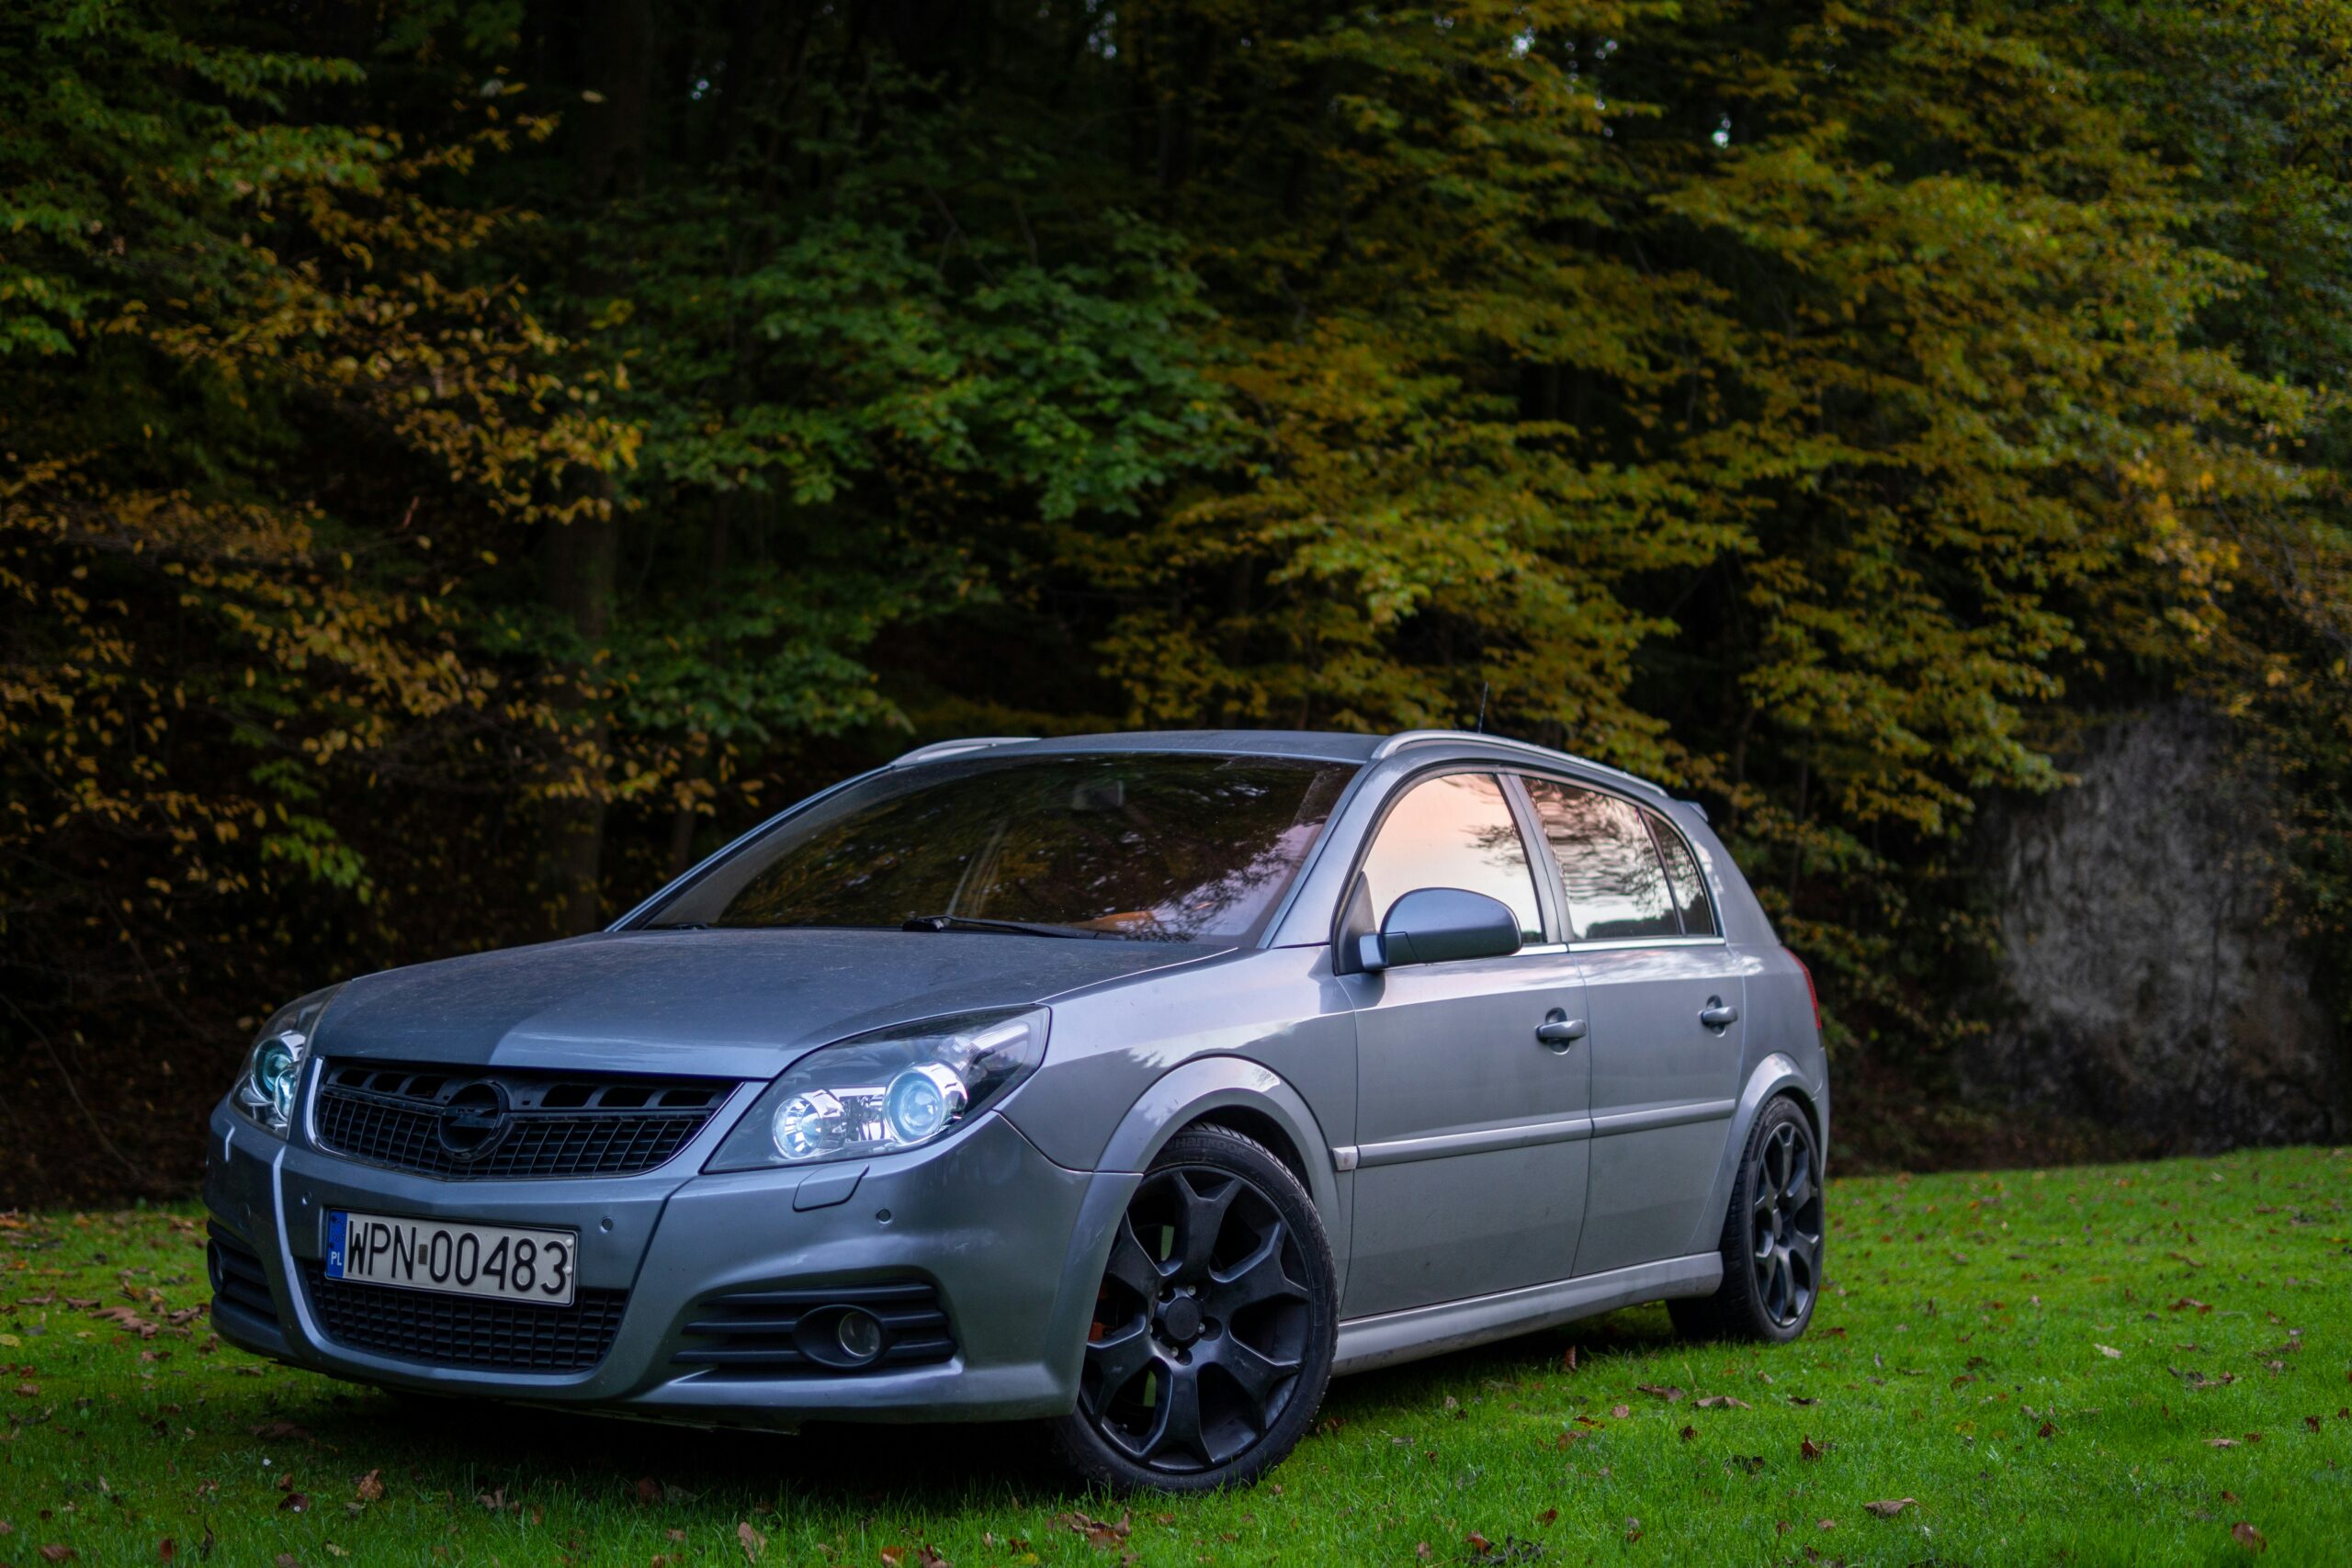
(2144, 981)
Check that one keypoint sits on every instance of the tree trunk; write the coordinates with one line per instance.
(581, 559)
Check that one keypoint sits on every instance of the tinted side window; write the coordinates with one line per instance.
(1453, 831)
(1616, 884)
(1682, 876)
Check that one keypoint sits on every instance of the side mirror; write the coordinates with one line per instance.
(1432, 925)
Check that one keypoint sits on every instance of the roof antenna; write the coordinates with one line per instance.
(1482, 708)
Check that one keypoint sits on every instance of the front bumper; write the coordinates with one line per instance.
(1012, 1244)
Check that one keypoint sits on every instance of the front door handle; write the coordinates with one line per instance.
(1559, 1030)
(1717, 1016)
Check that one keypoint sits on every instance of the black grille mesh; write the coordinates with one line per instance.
(237, 1278)
(559, 1125)
(459, 1331)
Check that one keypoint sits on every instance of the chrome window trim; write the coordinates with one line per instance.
(1560, 873)
(1620, 944)
(1547, 755)
(1493, 768)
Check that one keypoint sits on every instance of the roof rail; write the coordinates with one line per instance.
(937, 749)
(1404, 738)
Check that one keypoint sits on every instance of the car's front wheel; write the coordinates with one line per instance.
(1772, 1237)
(1214, 1324)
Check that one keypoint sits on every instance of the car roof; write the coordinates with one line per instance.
(1310, 744)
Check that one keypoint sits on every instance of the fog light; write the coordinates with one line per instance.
(859, 1334)
(923, 1100)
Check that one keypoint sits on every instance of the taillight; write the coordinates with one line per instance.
(1811, 995)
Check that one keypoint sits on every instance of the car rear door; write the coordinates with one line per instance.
(1471, 1163)
(1666, 1035)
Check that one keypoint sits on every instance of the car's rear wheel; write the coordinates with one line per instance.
(1772, 1237)
(1214, 1324)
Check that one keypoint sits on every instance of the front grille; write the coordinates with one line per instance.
(767, 1333)
(459, 1331)
(557, 1124)
(237, 1278)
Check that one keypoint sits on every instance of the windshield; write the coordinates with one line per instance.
(1146, 846)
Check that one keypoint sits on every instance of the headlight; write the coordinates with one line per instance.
(893, 1090)
(264, 1087)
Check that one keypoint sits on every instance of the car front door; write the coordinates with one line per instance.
(1471, 1165)
(1666, 1037)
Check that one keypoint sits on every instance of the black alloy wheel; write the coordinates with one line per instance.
(1214, 1324)
(1784, 1225)
(1772, 1237)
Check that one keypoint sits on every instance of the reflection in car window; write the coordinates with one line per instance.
(1616, 886)
(1682, 875)
(1151, 846)
(1453, 831)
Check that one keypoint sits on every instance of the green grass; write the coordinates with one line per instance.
(2043, 1360)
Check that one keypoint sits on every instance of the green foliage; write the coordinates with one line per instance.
(464, 457)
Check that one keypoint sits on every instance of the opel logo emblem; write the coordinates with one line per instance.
(473, 1119)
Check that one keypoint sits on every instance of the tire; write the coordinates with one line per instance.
(1214, 1328)
(1772, 1239)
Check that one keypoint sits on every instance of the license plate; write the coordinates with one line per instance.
(503, 1262)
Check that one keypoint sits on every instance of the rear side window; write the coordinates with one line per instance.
(1455, 830)
(1682, 878)
(1616, 883)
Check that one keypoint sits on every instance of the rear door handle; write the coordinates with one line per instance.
(1716, 1015)
(1559, 1030)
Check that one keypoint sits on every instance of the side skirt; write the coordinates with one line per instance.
(1393, 1337)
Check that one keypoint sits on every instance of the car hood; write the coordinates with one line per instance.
(724, 1003)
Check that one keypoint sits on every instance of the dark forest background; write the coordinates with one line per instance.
(462, 460)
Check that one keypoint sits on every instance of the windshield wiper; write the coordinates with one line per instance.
(1012, 927)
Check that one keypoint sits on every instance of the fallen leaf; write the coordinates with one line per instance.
(1422, 1551)
(1099, 1535)
(369, 1488)
(54, 1553)
(2221, 1442)
(1726, 1402)
(2312, 1422)
(294, 1503)
(1548, 1516)
(752, 1541)
(2246, 1535)
(1810, 1450)
(1887, 1508)
(166, 1548)
(335, 1550)
(893, 1556)
(2048, 1430)
(926, 1558)
(1568, 1361)
(1621, 1411)
(1478, 1543)
(1795, 1399)
(1668, 1393)
(2110, 1351)
(1688, 1433)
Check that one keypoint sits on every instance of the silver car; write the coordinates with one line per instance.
(1139, 1083)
